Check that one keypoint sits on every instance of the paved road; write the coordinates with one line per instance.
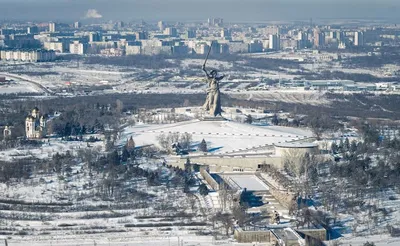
(29, 81)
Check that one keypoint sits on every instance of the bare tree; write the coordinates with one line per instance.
(294, 162)
(167, 140)
(163, 141)
(192, 202)
(226, 220)
(185, 140)
(239, 214)
(119, 106)
(88, 156)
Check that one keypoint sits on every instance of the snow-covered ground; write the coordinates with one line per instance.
(250, 182)
(118, 239)
(49, 148)
(210, 63)
(283, 95)
(222, 137)
(18, 86)
(52, 209)
(66, 75)
(378, 240)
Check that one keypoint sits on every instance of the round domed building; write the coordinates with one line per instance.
(293, 154)
(282, 149)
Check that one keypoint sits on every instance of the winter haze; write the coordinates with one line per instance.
(188, 10)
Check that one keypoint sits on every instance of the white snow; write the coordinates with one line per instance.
(124, 239)
(222, 137)
(250, 182)
(18, 87)
(48, 149)
(378, 240)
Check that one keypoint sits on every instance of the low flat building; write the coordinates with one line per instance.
(27, 55)
(133, 49)
(56, 46)
(112, 52)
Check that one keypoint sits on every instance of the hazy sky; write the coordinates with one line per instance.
(183, 10)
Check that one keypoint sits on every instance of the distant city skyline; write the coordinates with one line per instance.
(190, 10)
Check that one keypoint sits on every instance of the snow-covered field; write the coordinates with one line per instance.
(378, 240)
(210, 63)
(49, 148)
(119, 239)
(66, 75)
(289, 96)
(18, 87)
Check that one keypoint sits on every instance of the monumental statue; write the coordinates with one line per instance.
(213, 100)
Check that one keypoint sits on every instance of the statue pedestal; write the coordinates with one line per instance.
(212, 118)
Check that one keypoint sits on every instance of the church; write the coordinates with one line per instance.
(35, 125)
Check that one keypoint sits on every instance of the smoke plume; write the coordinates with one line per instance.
(93, 14)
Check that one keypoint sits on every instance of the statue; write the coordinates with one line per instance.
(213, 100)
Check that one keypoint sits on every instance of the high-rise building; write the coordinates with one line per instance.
(215, 21)
(141, 35)
(359, 39)
(52, 27)
(340, 36)
(21, 41)
(77, 48)
(190, 34)
(77, 25)
(7, 31)
(302, 40)
(32, 30)
(255, 46)
(171, 31)
(215, 48)
(94, 37)
(201, 48)
(161, 26)
(226, 33)
(224, 48)
(274, 42)
(120, 24)
(319, 38)
(302, 35)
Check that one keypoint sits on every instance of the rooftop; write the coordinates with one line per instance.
(286, 234)
(296, 145)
